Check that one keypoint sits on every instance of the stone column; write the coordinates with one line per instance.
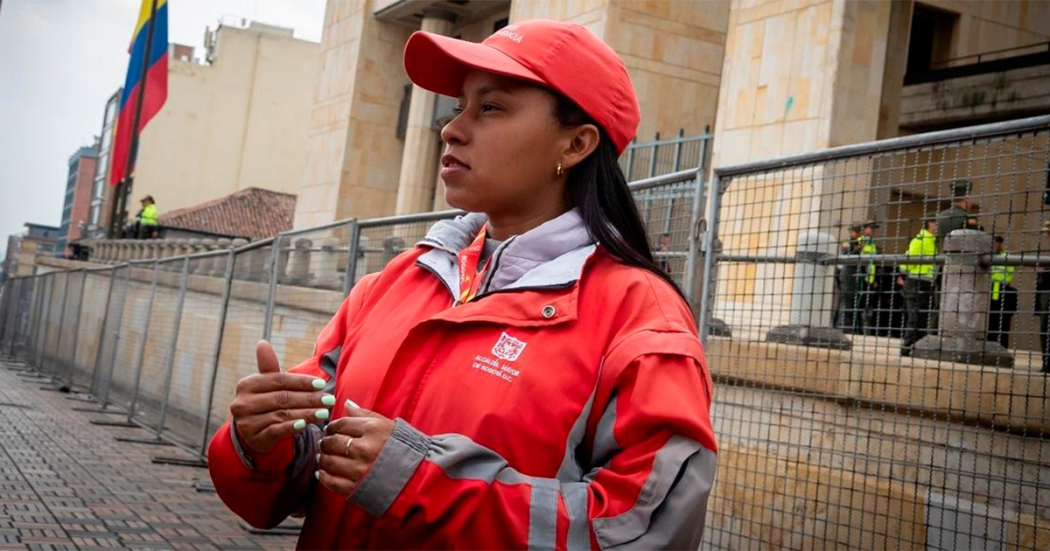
(809, 322)
(325, 264)
(218, 266)
(299, 263)
(207, 267)
(415, 188)
(965, 295)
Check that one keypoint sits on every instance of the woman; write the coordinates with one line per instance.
(526, 376)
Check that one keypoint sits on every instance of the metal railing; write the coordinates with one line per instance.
(861, 404)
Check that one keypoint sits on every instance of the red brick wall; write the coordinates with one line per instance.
(81, 197)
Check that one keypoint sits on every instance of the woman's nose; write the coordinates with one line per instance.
(453, 132)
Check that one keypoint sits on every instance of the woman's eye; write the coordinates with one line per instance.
(457, 110)
(489, 107)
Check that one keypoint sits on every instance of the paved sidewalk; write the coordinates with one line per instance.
(67, 484)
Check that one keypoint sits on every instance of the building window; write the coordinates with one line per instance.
(932, 32)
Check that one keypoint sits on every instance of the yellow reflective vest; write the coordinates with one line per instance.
(149, 215)
(867, 246)
(923, 244)
(1001, 275)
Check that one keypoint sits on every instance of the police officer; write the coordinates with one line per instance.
(869, 285)
(957, 216)
(1004, 299)
(917, 280)
(848, 285)
(1042, 302)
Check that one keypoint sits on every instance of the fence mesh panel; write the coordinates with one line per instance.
(245, 322)
(868, 399)
(90, 327)
(120, 279)
(190, 386)
(69, 327)
(53, 324)
(160, 333)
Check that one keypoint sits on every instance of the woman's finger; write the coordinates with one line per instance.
(338, 484)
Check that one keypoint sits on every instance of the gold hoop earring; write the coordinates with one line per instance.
(558, 171)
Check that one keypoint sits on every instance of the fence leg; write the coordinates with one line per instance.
(706, 292)
(76, 331)
(142, 345)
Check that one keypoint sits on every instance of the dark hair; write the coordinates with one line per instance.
(599, 189)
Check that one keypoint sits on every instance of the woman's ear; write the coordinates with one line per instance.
(583, 141)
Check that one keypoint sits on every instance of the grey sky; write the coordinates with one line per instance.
(59, 62)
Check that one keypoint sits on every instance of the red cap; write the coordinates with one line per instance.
(562, 56)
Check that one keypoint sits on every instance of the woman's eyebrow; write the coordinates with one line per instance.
(486, 90)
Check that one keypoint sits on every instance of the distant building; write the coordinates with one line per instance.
(101, 191)
(235, 120)
(23, 249)
(76, 210)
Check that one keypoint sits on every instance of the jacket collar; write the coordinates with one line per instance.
(551, 255)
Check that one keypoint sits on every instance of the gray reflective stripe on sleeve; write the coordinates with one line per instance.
(246, 459)
(570, 470)
(605, 445)
(579, 522)
(396, 463)
(678, 487)
(543, 514)
(329, 364)
(461, 458)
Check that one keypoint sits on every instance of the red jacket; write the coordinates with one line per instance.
(537, 416)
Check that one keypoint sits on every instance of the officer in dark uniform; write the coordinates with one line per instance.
(957, 216)
(1042, 302)
(849, 287)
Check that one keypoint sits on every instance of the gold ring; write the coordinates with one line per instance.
(346, 450)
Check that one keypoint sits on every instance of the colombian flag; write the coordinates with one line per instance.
(153, 85)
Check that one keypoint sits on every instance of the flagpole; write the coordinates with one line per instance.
(120, 206)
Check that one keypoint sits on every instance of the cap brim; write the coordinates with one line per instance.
(439, 63)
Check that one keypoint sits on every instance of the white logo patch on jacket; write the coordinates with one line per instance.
(508, 348)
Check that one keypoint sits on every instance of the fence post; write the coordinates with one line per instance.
(351, 257)
(116, 335)
(170, 360)
(678, 150)
(652, 156)
(38, 298)
(142, 345)
(630, 160)
(11, 296)
(706, 292)
(224, 305)
(45, 314)
(102, 330)
(76, 329)
(271, 293)
(56, 354)
(695, 234)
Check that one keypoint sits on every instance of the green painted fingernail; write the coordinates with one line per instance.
(317, 475)
(351, 404)
(318, 384)
(300, 424)
(321, 414)
(328, 400)
(318, 457)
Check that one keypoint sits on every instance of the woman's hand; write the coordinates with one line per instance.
(271, 405)
(350, 447)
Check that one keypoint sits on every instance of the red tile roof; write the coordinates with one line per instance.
(252, 213)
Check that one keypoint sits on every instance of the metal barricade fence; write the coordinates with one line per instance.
(868, 397)
(827, 437)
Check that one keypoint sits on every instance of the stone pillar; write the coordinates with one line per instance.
(415, 188)
(812, 302)
(325, 264)
(123, 250)
(218, 264)
(965, 295)
(299, 263)
(392, 246)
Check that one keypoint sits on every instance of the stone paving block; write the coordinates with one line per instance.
(67, 484)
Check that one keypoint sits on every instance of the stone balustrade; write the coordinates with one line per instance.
(317, 262)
